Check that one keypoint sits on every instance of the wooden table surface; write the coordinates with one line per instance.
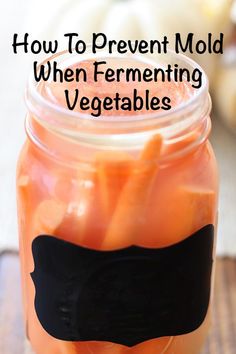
(222, 339)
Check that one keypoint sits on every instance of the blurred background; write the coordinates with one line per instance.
(130, 19)
(126, 19)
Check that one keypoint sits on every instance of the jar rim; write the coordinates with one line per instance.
(60, 118)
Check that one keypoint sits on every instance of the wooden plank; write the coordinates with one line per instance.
(11, 323)
(222, 339)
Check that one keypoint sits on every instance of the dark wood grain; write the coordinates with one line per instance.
(11, 324)
(222, 338)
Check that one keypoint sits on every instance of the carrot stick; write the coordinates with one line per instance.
(75, 223)
(68, 348)
(48, 216)
(189, 207)
(154, 346)
(129, 213)
(113, 170)
(152, 150)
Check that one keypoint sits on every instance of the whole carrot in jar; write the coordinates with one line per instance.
(117, 217)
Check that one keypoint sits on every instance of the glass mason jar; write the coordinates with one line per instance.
(116, 219)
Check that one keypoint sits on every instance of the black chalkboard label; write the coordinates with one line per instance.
(125, 296)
